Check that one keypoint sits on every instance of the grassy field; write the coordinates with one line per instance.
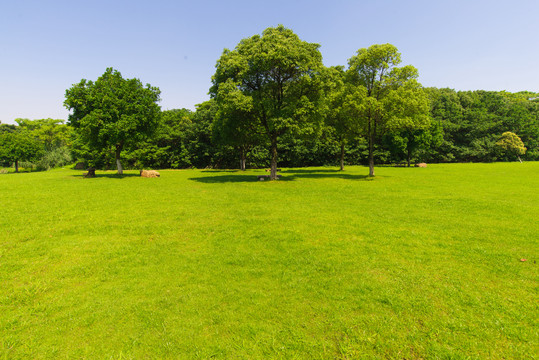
(417, 263)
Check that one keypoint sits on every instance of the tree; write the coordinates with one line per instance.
(272, 83)
(199, 135)
(19, 145)
(341, 101)
(229, 128)
(511, 144)
(53, 133)
(394, 99)
(415, 142)
(167, 148)
(113, 112)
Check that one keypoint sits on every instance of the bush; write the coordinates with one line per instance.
(54, 158)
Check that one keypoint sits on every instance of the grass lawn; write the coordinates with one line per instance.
(417, 263)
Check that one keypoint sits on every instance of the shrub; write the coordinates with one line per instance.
(54, 158)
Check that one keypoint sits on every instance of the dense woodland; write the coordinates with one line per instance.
(272, 100)
(465, 127)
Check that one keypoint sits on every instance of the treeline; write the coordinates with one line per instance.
(36, 144)
(464, 127)
(471, 122)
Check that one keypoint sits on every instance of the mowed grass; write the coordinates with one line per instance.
(416, 263)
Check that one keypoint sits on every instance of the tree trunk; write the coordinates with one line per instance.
(371, 156)
(371, 133)
(273, 173)
(242, 160)
(408, 157)
(118, 163)
(519, 159)
(16, 166)
(342, 155)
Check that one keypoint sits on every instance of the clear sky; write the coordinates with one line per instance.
(48, 45)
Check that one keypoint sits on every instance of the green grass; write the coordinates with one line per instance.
(416, 263)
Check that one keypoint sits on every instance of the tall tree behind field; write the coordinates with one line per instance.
(113, 112)
(393, 97)
(273, 80)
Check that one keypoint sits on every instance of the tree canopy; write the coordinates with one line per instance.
(393, 98)
(19, 145)
(512, 144)
(269, 85)
(113, 112)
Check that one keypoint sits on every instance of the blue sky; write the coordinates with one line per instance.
(46, 46)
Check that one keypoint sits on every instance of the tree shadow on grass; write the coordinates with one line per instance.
(220, 170)
(234, 178)
(326, 173)
(336, 175)
(109, 176)
(308, 171)
(287, 175)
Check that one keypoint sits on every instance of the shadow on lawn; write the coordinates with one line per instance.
(109, 176)
(220, 170)
(232, 178)
(287, 175)
(307, 171)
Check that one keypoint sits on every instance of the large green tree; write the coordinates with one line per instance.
(393, 97)
(113, 112)
(272, 82)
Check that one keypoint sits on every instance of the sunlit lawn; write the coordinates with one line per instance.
(417, 263)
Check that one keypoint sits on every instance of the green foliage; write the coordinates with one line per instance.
(341, 101)
(414, 145)
(7, 128)
(19, 145)
(463, 128)
(53, 133)
(269, 85)
(471, 120)
(100, 159)
(230, 128)
(57, 157)
(168, 147)
(393, 99)
(113, 112)
(510, 143)
(199, 140)
(55, 138)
